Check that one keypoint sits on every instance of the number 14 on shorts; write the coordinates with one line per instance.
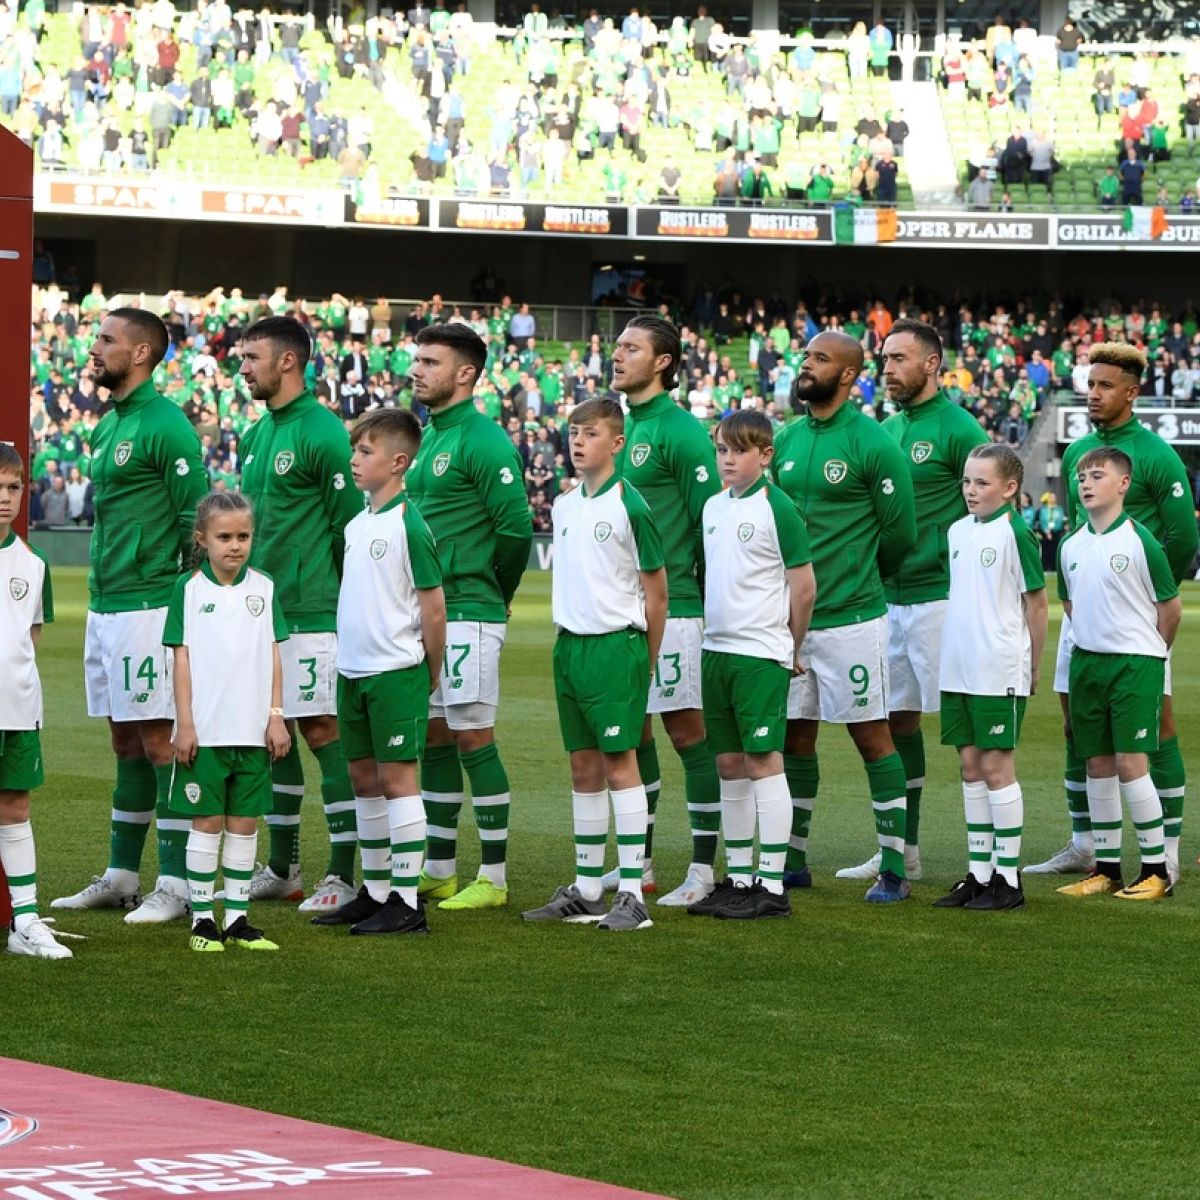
(142, 681)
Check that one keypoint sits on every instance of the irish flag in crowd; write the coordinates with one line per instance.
(1143, 222)
(863, 226)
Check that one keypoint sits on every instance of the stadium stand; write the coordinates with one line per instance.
(625, 112)
(1004, 363)
(1004, 106)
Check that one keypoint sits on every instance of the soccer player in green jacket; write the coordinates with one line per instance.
(296, 475)
(670, 460)
(853, 485)
(147, 476)
(468, 484)
(936, 437)
(1160, 498)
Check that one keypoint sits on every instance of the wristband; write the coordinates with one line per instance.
(277, 712)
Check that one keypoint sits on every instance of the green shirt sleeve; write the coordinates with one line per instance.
(895, 509)
(789, 528)
(1172, 491)
(496, 472)
(177, 450)
(47, 589)
(277, 617)
(173, 628)
(1064, 591)
(422, 550)
(693, 461)
(1030, 555)
(645, 532)
(1162, 578)
(341, 499)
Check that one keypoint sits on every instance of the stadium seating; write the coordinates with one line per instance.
(1062, 107)
(400, 129)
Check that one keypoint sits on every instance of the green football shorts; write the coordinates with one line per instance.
(745, 702)
(232, 781)
(1115, 702)
(601, 683)
(986, 722)
(384, 716)
(20, 760)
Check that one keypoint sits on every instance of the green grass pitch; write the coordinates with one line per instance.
(850, 1051)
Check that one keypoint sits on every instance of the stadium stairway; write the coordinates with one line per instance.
(1039, 451)
(927, 152)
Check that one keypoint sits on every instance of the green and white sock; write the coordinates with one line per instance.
(1145, 811)
(337, 795)
(374, 844)
(737, 818)
(283, 821)
(19, 862)
(406, 827)
(1008, 818)
(980, 831)
(203, 853)
(1075, 782)
(133, 803)
(589, 814)
(885, 777)
(1170, 778)
(491, 800)
(773, 803)
(651, 776)
(704, 801)
(172, 832)
(1104, 809)
(803, 775)
(237, 866)
(911, 748)
(629, 811)
(442, 792)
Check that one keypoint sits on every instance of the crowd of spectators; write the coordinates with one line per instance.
(999, 71)
(1004, 362)
(571, 96)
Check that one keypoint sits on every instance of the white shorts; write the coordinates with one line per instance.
(469, 691)
(845, 678)
(126, 668)
(915, 656)
(1062, 661)
(309, 675)
(676, 682)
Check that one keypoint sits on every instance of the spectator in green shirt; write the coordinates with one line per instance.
(1109, 188)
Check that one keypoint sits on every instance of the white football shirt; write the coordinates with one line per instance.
(1115, 581)
(390, 554)
(985, 636)
(230, 632)
(25, 601)
(602, 543)
(750, 542)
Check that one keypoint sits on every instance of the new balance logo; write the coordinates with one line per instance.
(762, 731)
(995, 731)
(208, 608)
(613, 731)
(1141, 733)
(398, 740)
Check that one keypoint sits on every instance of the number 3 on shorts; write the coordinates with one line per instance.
(452, 662)
(308, 685)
